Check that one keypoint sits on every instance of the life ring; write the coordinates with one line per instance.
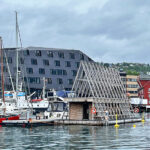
(136, 110)
(93, 110)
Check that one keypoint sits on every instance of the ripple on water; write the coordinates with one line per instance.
(77, 137)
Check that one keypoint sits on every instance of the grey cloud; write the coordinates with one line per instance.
(106, 30)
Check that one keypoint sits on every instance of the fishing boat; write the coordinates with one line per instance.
(4, 115)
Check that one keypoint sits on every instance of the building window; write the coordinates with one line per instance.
(38, 53)
(132, 86)
(4, 59)
(123, 79)
(72, 55)
(46, 62)
(132, 80)
(29, 70)
(41, 71)
(21, 60)
(26, 52)
(77, 64)
(59, 72)
(15, 69)
(68, 64)
(70, 81)
(52, 71)
(5, 69)
(9, 60)
(74, 72)
(49, 80)
(148, 89)
(34, 61)
(64, 72)
(49, 53)
(57, 63)
(81, 57)
(59, 80)
(34, 80)
(61, 54)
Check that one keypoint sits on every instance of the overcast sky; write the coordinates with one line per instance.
(106, 30)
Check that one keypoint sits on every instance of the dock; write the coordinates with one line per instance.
(95, 123)
(49, 122)
(29, 123)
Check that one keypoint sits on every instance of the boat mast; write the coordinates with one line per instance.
(16, 55)
(44, 88)
(2, 71)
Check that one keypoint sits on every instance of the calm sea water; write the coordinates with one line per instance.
(77, 137)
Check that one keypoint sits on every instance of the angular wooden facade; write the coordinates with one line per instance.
(101, 88)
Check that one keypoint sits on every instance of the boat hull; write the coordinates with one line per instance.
(10, 118)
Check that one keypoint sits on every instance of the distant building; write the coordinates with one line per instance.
(144, 87)
(58, 66)
(132, 85)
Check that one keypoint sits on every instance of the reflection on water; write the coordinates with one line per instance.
(77, 137)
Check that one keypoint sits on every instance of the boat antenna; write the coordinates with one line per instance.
(2, 71)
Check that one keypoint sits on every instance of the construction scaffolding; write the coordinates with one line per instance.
(105, 87)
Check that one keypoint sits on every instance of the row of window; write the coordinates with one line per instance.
(57, 63)
(52, 71)
(42, 71)
(10, 61)
(45, 62)
(36, 80)
(51, 54)
(132, 86)
(132, 80)
(133, 92)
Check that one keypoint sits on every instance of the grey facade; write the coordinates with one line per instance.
(58, 66)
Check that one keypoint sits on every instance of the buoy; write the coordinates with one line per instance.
(143, 120)
(93, 110)
(116, 125)
(134, 126)
(136, 110)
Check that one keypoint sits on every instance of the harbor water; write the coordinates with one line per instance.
(77, 137)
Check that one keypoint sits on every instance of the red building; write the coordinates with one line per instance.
(144, 90)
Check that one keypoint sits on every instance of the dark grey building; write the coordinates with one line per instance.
(58, 66)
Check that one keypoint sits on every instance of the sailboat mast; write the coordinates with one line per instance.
(2, 71)
(16, 54)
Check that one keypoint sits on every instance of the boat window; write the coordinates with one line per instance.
(58, 107)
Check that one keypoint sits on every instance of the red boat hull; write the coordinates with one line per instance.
(10, 118)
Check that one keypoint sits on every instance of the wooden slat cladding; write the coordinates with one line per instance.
(76, 111)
